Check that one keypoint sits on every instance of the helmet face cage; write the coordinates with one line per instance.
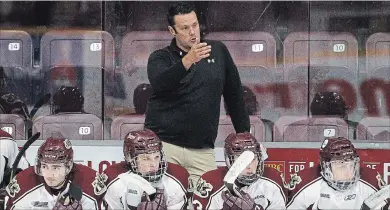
(339, 151)
(235, 145)
(153, 177)
(328, 174)
(144, 142)
(54, 151)
(245, 179)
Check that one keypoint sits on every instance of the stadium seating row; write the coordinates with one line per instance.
(287, 128)
(79, 58)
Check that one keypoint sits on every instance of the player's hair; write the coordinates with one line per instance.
(141, 96)
(179, 8)
(328, 103)
(251, 104)
(2, 78)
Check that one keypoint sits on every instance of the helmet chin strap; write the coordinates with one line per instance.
(61, 184)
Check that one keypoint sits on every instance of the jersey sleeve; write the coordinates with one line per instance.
(176, 197)
(177, 191)
(207, 191)
(2, 167)
(278, 200)
(299, 201)
(9, 149)
(123, 193)
(112, 198)
(23, 182)
(299, 196)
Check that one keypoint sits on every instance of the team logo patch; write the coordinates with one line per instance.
(39, 204)
(130, 136)
(132, 191)
(259, 197)
(324, 143)
(67, 144)
(294, 181)
(381, 181)
(99, 184)
(264, 155)
(350, 197)
(13, 188)
(324, 195)
(203, 188)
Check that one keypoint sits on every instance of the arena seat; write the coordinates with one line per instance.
(14, 125)
(374, 129)
(122, 125)
(302, 128)
(78, 58)
(316, 62)
(254, 54)
(74, 126)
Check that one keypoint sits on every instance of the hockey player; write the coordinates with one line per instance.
(67, 99)
(339, 183)
(144, 157)
(55, 182)
(260, 187)
(8, 151)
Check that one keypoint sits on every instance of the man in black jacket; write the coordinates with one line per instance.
(188, 79)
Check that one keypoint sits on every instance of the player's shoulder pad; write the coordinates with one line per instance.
(85, 177)
(210, 182)
(276, 178)
(114, 170)
(301, 180)
(179, 172)
(371, 177)
(23, 182)
(273, 175)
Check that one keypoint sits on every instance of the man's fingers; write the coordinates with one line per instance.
(206, 48)
(203, 44)
(201, 52)
(205, 55)
(200, 45)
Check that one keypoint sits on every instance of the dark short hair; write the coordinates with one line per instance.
(179, 8)
(328, 103)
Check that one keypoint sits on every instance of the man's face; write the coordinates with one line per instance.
(148, 163)
(343, 170)
(54, 174)
(187, 30)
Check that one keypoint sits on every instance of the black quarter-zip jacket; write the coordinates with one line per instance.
(184, 107)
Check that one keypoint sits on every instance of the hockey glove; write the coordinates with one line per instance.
(245, 202)
(156, 202)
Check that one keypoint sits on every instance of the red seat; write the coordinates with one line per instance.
(135, 51)
(377, 74)
(14, 125)
(254, 54)
(15, 49)
(78, 58)
(374, 128)
(226, 127)
(124, 124)
(311, 59)
(300, 128)
(71, 126)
